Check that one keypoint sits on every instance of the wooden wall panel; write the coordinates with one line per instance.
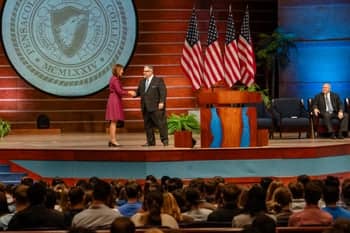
(162, 27)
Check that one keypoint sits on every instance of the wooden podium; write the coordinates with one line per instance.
(228, 118)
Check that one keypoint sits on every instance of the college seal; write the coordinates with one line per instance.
(68, 47)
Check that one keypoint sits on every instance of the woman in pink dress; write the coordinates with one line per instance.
(114, 110)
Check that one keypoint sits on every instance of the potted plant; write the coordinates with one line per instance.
(272, 52)
(182, 126)
(5, 128)
(263, 92)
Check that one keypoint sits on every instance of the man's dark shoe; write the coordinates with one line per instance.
(193, 142)
(333, 136)
(340, 136)
(165, 143)
(146, 145)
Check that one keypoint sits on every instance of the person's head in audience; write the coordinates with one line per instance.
(255, 203)
(271, 189)
(37, 193)
(210, 190)
(151, 183)
(170, 206)
(174, 183)
(197, 183)
(345, 192)
(219, 180)
(122, 225)
(152, 204)
(297, 189)
(151, 178)
(163, 182)
(313, 192)
(27, 181)
(179, 195)
(21, 197)
(133, 191)
(332, 181)
(242, 199)
(55, 181)
(51, 199)
(76, 198)
(265, 182)
(304, 179)
(84, 184)
(264, 224)
(282, 198)
(192, 197)
(331, 194)
(93, 180)
(230, 194)
(102, 192)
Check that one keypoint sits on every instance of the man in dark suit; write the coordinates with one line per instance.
(328, 105)
(152, 91)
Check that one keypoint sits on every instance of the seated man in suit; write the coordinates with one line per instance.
(328, 105)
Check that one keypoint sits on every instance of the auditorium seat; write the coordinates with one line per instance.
(291, 115)
(265, 119)
(304, 229)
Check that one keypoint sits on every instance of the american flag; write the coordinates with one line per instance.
(246, 53)
(231, 61)
(191, 60)
(213, 68)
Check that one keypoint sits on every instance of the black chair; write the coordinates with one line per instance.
(291, 115)
(319, 127)
(265, 119)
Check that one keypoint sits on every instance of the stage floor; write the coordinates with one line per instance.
(134, 141)
(84, 155)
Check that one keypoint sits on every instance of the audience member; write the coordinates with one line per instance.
(345, 193)
(171, 207)
(304, 179)
(282, 199)
(122, 225)
(264, 224)
(21, 202)
(269, 193)
(255, 205)
(76, 204)
(133, 205)
(36, 215)
(99, 215)
(152, 215)
(225, 213)
(298, 201)
(331, 197)
(312, 214)
(195, 211)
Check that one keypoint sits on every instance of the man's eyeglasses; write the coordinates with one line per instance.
(147, 71)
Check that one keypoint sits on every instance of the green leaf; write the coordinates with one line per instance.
(180, 122)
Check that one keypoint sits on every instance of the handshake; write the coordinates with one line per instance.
(132, 93)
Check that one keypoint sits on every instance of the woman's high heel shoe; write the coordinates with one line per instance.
(111, 144)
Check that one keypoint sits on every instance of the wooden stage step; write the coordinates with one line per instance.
(35, 131)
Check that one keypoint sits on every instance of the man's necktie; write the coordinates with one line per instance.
(328, 104)
(147, 84)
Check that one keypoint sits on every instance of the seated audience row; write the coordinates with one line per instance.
(95, 204)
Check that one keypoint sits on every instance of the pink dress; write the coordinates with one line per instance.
(114, 110)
